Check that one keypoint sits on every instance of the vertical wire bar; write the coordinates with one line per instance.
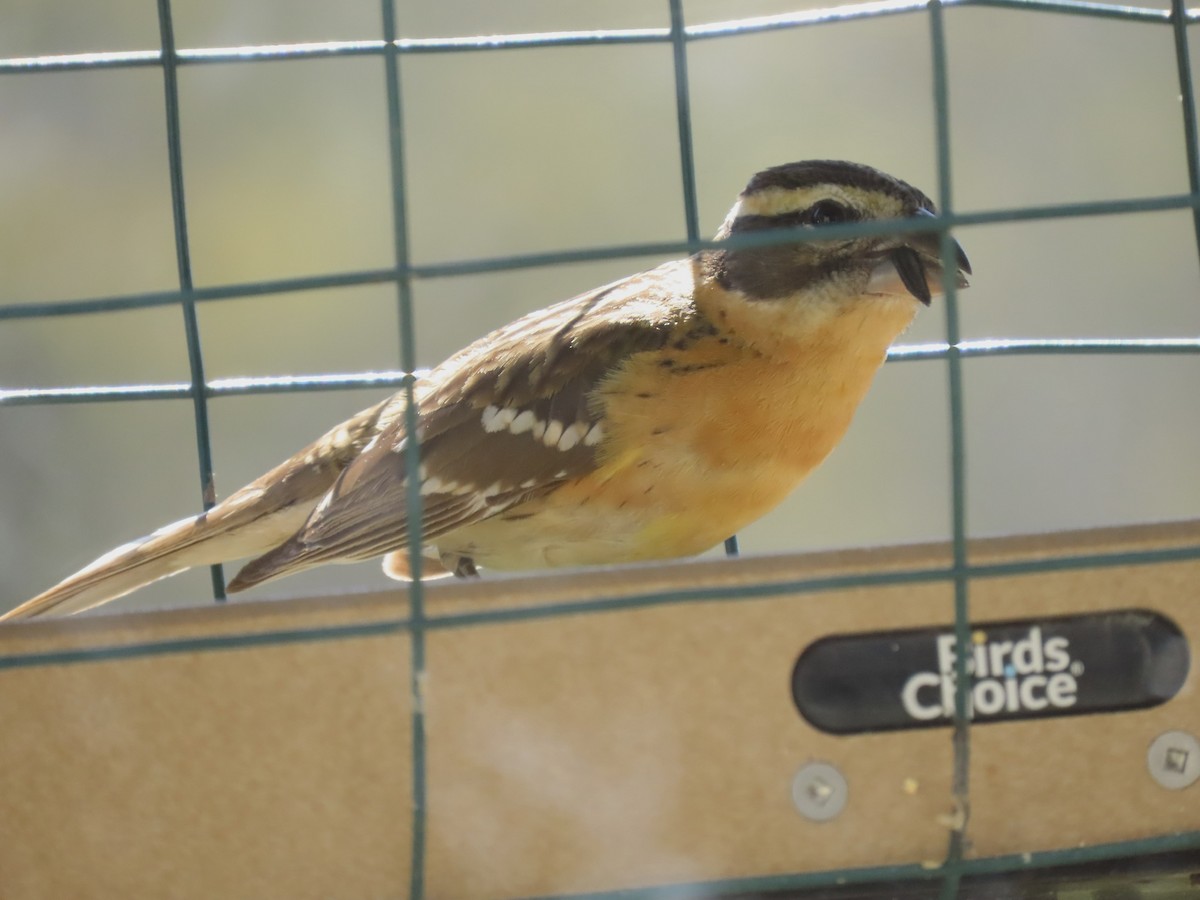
(198, 390)
(687, 160)
(683, 113)
(1187, 97)
(960, 785)
(412, 449)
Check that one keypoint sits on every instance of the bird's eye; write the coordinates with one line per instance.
(827, 212)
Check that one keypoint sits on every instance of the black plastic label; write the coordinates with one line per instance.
(1034, 668)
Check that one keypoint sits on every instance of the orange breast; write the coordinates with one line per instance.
(700, 440)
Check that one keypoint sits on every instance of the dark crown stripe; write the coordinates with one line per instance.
(810, 173)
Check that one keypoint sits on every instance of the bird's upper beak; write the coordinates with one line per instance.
(915, 266)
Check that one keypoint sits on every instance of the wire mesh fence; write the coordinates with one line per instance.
(955, 352)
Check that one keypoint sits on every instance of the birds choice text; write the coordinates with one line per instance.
(1031, 674)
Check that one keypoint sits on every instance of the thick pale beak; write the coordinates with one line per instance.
(916, 267)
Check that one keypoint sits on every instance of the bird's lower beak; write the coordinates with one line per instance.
(915, 267)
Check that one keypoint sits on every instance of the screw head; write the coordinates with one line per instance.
(1174, 759)
(819, 791)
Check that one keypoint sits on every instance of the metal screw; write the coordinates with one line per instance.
(1174, 759)
(819, 791)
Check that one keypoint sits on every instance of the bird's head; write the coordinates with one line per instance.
(819, 193)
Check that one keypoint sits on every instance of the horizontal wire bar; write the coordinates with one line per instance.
(781, 21)
(208, 644)
(94, 394)
(483, 265)
(218, 387)
(756, 885)
(443, 621)
(599, 37)
(1080, 8)
(110, 59)
(1046, 346)
(304, 50)
(874, 10)
(287, 384)
(982, 866)
(219, 292)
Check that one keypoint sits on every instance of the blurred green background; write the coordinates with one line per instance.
(532, 150)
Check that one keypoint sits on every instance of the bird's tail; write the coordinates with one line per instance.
(172, 549)
(249, 522)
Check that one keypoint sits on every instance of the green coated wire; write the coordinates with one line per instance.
(412, 454)
(1090, 209)
(961, 735)
(687, 159)
(289, 384)
(598, 37)
(208, 488)
(683, 114)
(1187, 100)
(901, 873)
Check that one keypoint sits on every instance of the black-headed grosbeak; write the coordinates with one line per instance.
(647, 419)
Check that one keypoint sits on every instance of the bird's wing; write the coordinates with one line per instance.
(509, 418)
(248, 522)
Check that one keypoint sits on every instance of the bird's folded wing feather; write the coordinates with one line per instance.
(507, 419)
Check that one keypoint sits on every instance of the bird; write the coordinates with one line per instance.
(647, 419)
